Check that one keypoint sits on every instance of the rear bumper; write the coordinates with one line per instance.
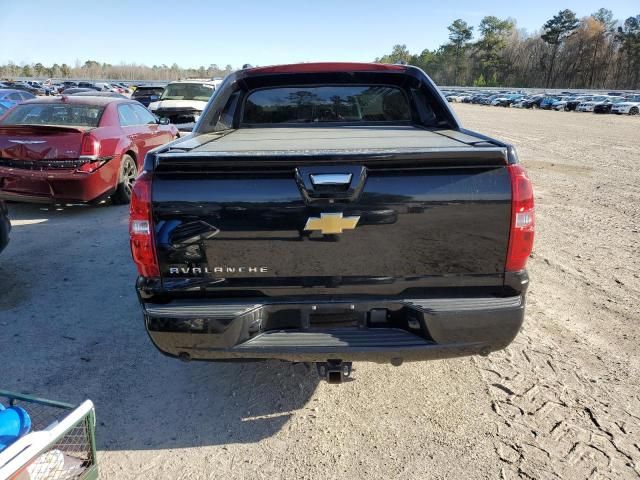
(315, 330)
(48, 186)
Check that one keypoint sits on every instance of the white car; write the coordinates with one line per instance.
(591, 104)
(183, 101)
(560, 104)
(630, 106)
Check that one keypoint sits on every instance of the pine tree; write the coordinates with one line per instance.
(460, 34)
(492, 42)
(556, 31)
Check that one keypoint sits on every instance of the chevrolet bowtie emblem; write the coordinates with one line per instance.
(331, 223)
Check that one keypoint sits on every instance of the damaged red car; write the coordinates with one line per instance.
(76, 149)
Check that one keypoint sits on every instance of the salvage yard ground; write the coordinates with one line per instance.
(563, 401)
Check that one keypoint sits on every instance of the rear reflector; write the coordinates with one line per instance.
(141, 227)
(522, 219)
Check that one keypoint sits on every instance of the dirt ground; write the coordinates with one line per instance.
(563, 401)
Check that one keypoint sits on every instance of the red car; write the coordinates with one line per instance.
(76, 149)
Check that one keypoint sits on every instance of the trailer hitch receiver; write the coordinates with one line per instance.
(334, 371)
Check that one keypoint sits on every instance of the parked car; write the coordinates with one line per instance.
(146, 94)
(5, 225)
(479, 98)
(88, 85)
(280, 251)
(605, 106)
(56, 88)
(630, 106)
(40, 87)
(589, 105)
(67, 84)
(457, 97)
(182, 102)
(10, 97)
(487, 100)
(76, 149)
(25, 87)
(532, 101)
(123, 87)
(506, 100)
(547, 102)
(570, 104)
(561, 102)
(108, 87)
(3, 109)
(103, 87)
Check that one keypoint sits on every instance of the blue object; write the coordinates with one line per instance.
(10, 97)
(14, 422)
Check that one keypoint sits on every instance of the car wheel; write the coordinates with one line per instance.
(634, 111)
(126, 178)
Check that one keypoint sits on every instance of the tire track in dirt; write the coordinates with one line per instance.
(566, 393)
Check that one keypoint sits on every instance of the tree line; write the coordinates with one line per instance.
(593, 52)
(94, 70)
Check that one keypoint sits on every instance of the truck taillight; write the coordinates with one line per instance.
(141, 227)
(522, 219)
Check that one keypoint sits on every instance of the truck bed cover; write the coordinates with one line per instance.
(331, 139)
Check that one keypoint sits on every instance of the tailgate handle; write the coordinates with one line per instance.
(322, 183)
(331, 178)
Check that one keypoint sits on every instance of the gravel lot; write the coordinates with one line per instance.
(563, 401)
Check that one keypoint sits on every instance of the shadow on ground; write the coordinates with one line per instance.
(72, 329)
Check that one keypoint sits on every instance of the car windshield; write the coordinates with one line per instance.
(187, 91)
(366, 103)
(54, 114)
(144, 91)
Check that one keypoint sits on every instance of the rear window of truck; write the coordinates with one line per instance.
(54, 114)
(144, 91)
(326, 104)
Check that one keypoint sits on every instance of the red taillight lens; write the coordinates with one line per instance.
(522, 219)
(141, 227)
(90, 146)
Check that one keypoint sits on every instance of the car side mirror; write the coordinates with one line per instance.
(163, 121)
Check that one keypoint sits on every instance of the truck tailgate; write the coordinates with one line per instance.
(432, 210)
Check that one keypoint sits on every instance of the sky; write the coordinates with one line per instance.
(194, 33)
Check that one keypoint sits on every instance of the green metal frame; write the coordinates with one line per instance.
(92, 471)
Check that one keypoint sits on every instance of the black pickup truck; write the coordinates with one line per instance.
(331, 213)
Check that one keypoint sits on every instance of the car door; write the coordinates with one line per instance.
(137, 133)
(158, 134)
